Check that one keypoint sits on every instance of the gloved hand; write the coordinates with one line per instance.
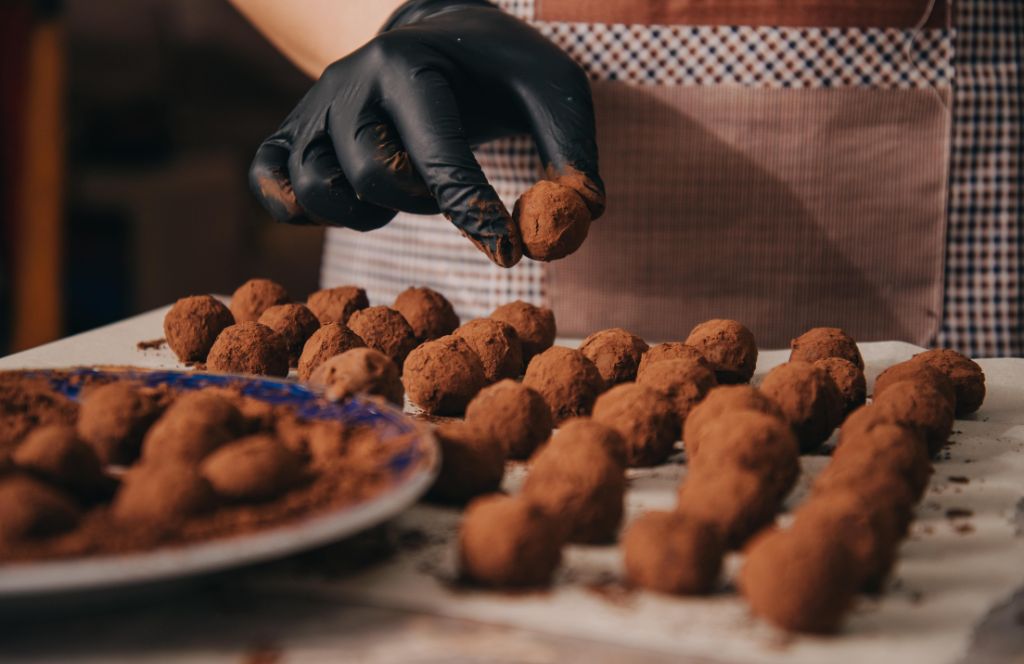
(390, 126)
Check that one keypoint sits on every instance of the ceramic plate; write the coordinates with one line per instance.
(412, 469)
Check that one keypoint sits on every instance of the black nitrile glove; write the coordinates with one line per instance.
(390, 126)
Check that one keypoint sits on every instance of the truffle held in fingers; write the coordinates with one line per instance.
(552, 219)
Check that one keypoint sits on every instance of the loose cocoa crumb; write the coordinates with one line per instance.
(151, 344)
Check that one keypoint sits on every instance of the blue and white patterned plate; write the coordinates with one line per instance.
(412, 469)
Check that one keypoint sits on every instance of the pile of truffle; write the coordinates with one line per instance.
(131, 467)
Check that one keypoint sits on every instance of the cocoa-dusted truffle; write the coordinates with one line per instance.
(967, 377)
(870, 533)
(671, 350)
(848, 379)
(890, 447)
(192, 325)
(567, 381)
(722, 401)
(113, 418)
(809, 400)
(586, 431)
(330, 340)
(868, 417)
(252, 469)
(384, 329)
(819, 343)
(670, 552)
(471, 464)
(360, 370)
(295, 323)
(616, 353)
(508, 542)
(799, 581)
(162, 494)
(534, 325)
(249, 348)
(442, 376)
(758, 442)
(917, 372)
(553, 220)
(429, 314)
(684, 382)
(497, 345)
(30, 508)
(921, 407)
(728, 346)
(882, 488)
(254, 297)
(735, 501)
(580, 485)
(512, 414)
(196, 424)
(56, 454)
(335, 305)
(644, 417)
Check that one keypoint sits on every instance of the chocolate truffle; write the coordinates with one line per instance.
(443, 376)
(384, 329)
(534, 325)
(162, 494)
(918, 406)
(429, 314)
(809, 400)
(512, 414)
(196, 424)
(568, 381)
(883, 488)
(252, 469)
(508, 542)
(848, 379)
(736, 502)
(870, 533)
(616, 353)
(192, 325)
(670, 552)
(56, 454)
(330, 340)
(471, 464)
(723, 400)
(587, 432)
(965, 374)
(335, 305)
(672, 350)
(755, 441)
(249, 348)
(918, 372)
(295, 323)
(890, 447)
(256, 296)
(30, 508)
(684, 382)
(728, 346)
(497, 345)
(113, 418)
(580, 485)
(819, 343)
(799, 581)
(360, 370)
(644, 417)
(553, 220)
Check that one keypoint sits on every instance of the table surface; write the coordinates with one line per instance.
(259, 615)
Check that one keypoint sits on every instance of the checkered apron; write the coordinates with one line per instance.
(852, 164)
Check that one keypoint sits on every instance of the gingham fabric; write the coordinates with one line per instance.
(984, 236)
(984, 296)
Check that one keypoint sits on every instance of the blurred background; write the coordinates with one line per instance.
(126, 130)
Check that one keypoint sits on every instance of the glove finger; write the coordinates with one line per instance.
(323, 191)
(271, 184)
(377, 165)
(427, 118)
(562, 121)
